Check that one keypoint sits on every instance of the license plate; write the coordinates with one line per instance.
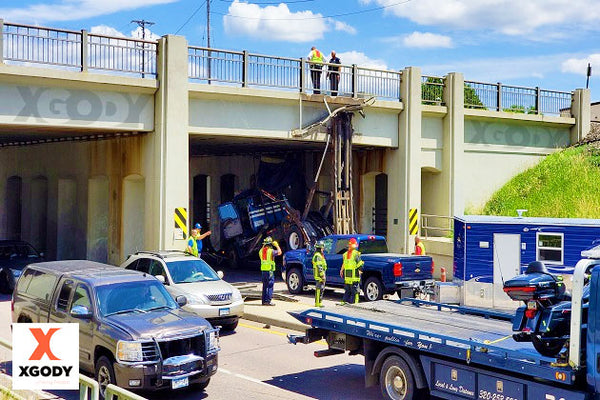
(532, 305)
(223, 311)
(180, 383)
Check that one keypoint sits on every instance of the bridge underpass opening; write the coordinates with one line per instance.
(63, 191)
(222, 167)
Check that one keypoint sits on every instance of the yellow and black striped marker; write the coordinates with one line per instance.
(180, 218)
(413, 221)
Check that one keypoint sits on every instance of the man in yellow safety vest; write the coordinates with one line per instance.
(267, 254)
(319, 269)
(351, 271)
(315, 60)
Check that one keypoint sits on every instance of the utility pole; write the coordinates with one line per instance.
(142, 23)
(589, 73)
(208, 37)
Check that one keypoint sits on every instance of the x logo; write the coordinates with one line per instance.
(43, 340)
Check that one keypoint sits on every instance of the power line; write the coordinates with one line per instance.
(190, 17)
(321, 17)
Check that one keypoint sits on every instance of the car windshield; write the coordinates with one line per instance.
(193, 270)
(20, 250)
(132, 297)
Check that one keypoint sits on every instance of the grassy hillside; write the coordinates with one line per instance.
(565, 184)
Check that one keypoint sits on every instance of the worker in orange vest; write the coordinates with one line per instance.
(351, 271)
(267, 254)
(419, 247)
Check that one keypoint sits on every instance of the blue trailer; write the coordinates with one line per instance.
(488, 250)
(414, 349)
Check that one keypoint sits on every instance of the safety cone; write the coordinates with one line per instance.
(443, 274)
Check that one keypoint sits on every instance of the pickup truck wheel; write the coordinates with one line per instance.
(230, 327)
(105, 374)
(547, 348)
(373, 289)
(294, 281)
(396, 379)
(202, 385)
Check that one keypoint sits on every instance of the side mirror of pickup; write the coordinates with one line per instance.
(161, 279)
(181, 300)
(220, 274)
(81, 312)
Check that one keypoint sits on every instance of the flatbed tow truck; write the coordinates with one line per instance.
(414, 349)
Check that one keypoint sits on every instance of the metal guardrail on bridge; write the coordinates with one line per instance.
(241, 68)
(88, 387)
(516, 99)
(80, 50)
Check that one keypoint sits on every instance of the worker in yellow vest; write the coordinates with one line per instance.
(319, 270)
(315, 60)
(267, 254)
(351, 271)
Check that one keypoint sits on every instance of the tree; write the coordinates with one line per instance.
(433, 94)
(472, 100)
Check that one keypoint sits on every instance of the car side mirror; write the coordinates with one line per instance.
(81, 312)
(42, 254)
(181, 300)
(161, 279)
(220, 274)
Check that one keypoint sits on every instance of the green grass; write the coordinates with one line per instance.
(566, 184)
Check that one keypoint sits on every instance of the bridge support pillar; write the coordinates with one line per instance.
(167, 148)
(403, 165)
(451, 201)
(580, 110)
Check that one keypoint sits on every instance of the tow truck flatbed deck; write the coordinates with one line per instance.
(441, 331)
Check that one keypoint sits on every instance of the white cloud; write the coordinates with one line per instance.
(427, 40)
(504, 16)
(278, 23)
(69, 10)
(106, 31)
(579, 65)
(342, 26)
(361, 59)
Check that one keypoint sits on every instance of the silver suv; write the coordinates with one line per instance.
(207, 294)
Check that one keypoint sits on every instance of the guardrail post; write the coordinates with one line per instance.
(499, 98)
(302, 75)
(1, 41)
(84, 50)
(538, 97)
(245, 69)
(354, 80)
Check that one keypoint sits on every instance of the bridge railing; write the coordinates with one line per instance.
(80, 50)
(241, 68)
(516, 99)
(77, 50)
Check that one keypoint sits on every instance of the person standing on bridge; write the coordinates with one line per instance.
(419, 247)
(267, 254)
(333, 73)
(319, 270)
(351, 271)
(315, 60)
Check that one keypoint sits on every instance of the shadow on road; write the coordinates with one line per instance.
(341, 382)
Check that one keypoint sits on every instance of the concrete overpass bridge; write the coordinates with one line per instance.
(102, 138)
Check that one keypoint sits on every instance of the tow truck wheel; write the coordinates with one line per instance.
(547, 348)
(294, 281)
(105, 374)
(396, 379)
(373, 289)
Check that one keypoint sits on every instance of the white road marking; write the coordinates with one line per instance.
(245, 377)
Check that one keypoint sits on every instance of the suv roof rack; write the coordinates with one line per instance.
(162, 253)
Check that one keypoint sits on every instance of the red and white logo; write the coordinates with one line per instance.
(46, 356)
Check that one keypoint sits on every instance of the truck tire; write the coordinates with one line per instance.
(373, 289)
(547, 348)
(294, 239)
(294, 281)
(230, 327)
(200, 386)
(396, 379)
(105, 374)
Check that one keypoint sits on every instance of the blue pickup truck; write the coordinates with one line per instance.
(383, 272)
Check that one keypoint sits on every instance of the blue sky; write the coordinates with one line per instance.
(545, 43)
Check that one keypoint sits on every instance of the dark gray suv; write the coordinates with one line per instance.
(131, 331)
